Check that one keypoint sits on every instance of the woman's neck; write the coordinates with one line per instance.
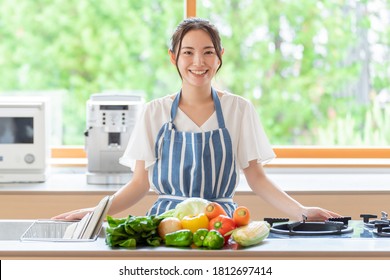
(197, 103)
(194, 96)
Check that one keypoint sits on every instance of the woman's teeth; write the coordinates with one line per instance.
(198, 72)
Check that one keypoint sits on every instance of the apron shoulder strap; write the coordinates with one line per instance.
(218, 109)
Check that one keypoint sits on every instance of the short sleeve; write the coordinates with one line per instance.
(141, 142)
(253, 143)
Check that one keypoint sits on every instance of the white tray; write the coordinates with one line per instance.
(86, 229)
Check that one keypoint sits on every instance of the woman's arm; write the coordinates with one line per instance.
(133, 191)
(262, 186)
(124, 198)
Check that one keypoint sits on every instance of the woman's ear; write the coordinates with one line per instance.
(172, 57)
(222, 52)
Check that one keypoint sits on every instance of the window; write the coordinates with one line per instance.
(71, 49)
(317, 71)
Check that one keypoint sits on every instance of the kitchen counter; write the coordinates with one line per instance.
(310, 180)
(351, 248)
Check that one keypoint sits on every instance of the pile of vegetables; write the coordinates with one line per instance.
(195, 222)
(132, 231)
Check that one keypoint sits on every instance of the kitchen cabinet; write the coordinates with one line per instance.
(46, 205)
(349, 194)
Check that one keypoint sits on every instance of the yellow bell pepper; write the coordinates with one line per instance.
(195, 222)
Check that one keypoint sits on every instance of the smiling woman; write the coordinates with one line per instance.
(181, 161)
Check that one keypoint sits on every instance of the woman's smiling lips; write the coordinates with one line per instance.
(198, 72)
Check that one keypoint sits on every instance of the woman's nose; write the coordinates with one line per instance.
(198, 59)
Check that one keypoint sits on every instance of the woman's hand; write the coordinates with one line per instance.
(318, 214)
(74, 215)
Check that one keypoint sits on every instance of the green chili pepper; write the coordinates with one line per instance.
(199, 236)
(180, 238)
(213, 240)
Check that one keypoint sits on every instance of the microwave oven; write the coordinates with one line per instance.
(24, 149)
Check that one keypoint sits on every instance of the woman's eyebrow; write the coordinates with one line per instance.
(192, 48)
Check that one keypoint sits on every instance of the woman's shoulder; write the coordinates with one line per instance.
(159, 104)
(161, 101)
(231, 99)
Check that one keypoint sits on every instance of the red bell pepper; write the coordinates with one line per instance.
(223, 224)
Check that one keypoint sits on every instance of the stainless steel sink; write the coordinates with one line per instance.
(13, 229)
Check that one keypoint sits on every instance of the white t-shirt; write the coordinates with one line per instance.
(248, 137)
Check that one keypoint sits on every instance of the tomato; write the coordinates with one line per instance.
(195, 222)
(223, 224)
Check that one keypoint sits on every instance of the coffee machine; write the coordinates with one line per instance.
(111, 118)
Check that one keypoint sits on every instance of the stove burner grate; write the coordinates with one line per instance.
(371, 224)
(333, 226)
(382, 230)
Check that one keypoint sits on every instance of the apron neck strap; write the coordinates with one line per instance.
(217, 106)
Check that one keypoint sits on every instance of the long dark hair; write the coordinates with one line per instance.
(195, 24)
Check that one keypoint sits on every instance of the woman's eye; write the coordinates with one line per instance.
(187, 52)
(209, 52)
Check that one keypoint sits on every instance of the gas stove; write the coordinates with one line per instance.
(343, 227)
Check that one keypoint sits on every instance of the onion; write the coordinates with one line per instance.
(168, 225)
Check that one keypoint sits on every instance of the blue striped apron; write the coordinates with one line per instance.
(191, 164)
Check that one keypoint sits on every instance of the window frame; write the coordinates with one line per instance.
(286, 157)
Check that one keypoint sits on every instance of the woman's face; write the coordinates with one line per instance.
(198, 61)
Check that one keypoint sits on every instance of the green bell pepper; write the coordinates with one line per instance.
(180, 238)
(214, 240)
(199, 236)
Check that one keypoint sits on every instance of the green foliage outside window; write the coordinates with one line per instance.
(85, 47)
(303, 64)
(307, 65)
